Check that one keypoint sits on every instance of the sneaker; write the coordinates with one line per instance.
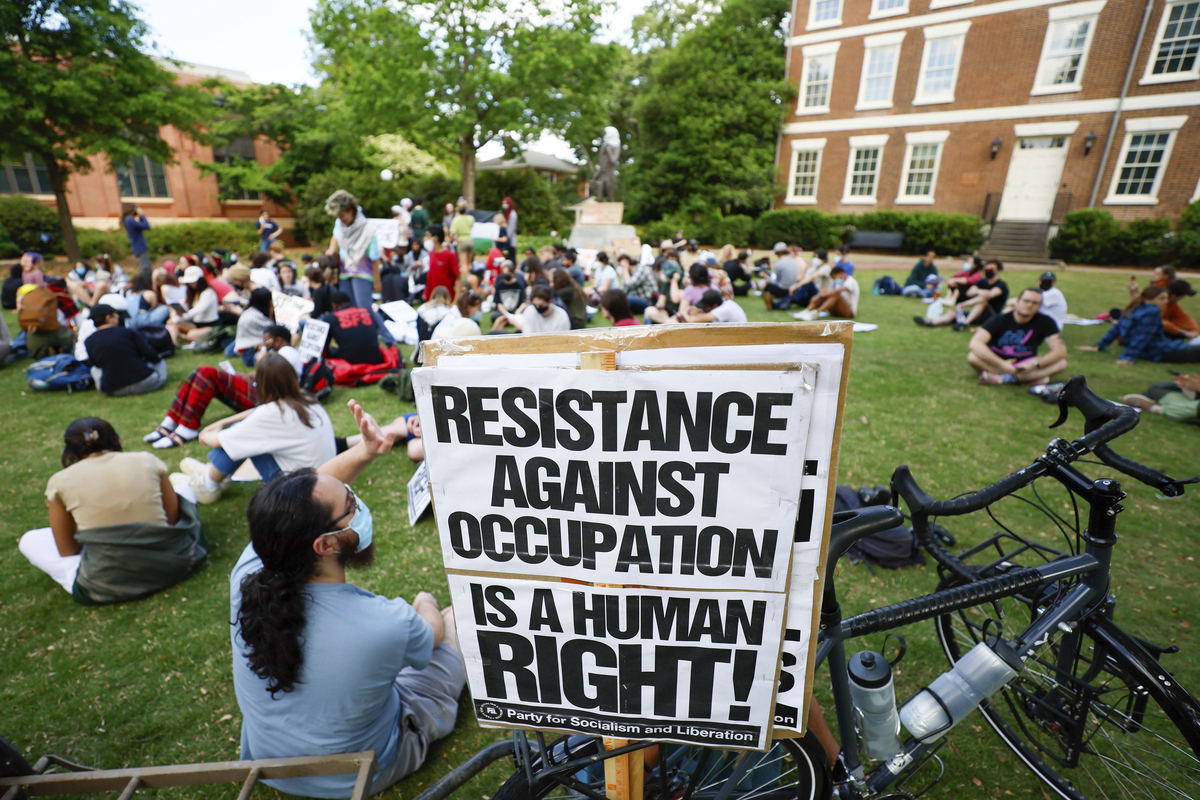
(1139, 401)
(196, 482)
(805, 316)
(924, 323)
(193, 466)
(958, 327)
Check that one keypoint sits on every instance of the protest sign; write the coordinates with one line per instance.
(418, 493)
(707, 350)
(312, 343)
(289, 310)
(387, 231)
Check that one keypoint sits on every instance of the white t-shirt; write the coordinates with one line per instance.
(293, 357)
(729, 311)
(607, 273)
(1054, 305)
(557, 320)
(266, 278)
(276, 429)
(852, 293)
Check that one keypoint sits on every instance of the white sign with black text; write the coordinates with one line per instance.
(312, 342)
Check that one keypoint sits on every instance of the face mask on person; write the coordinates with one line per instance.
(81, 270)
(1045, 285)
(429, 243)
(989, 274)
(838, 282)
(361, 523)
(477, 316)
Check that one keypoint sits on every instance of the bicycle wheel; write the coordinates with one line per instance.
(1091, 729)
(793, 769)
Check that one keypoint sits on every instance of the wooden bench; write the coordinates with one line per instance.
(877, 240)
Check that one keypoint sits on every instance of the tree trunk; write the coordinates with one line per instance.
(467, 155)
(59, 181)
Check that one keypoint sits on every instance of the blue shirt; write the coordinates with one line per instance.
(135, 227)
(355, 643)
(265, 229)
(1141, 331)
(846, 264)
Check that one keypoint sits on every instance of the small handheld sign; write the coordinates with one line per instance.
(312, 343)
(418, 494)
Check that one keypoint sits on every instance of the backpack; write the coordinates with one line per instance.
(318, 378)
(891, 549)
(39, 311)
(159, 339)
(58, 373)
(886, 285)
(347, 374)
(216, 339)
(400, 384)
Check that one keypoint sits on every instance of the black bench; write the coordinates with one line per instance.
(877, 240)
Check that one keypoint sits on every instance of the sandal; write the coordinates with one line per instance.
(156, 434)
(175, 439)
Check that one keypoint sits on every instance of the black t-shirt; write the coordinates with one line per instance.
(509, 291)
(322, 298)
(353, 329)
(1011, 339)
(997, 302)
(123, 354)
(8, 294)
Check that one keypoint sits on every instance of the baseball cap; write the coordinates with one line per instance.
(1047, 276)
(192, 274)
(780, 247)
(710, 299)
(101, 312)
(507, 263)
(1180, 288)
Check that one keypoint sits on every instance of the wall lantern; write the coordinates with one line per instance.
(1089, 141)
(996, 147)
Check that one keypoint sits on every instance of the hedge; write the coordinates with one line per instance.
(173, 238)
(8, 249)
(31, 225)
(948, 234)
(1093, 236)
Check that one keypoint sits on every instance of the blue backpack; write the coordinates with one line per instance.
(58, 373)
(886, 285)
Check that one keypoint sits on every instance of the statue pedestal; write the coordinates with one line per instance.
(598, 227)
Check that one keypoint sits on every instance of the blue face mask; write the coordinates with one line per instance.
(477, 316)
(838, 282)
(363, 524)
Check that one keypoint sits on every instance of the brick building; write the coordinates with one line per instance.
(1003, 108)
(167, 193)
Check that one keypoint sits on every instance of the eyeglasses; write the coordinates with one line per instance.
(351, 509)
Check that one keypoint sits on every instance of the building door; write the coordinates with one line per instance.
(1034, 174)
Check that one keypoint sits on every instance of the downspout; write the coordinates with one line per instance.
(1112, 130)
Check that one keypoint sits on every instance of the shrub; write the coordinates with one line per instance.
(202, 236)
(948, 234)
(94, 242)
(8, 249)
(1140, 242)
(738, 230)
(27, 221)
(1085, 237)
(538, 209)
(804, 226)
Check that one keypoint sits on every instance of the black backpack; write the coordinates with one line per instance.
(159, 339)
(317, 377)
(891, 549)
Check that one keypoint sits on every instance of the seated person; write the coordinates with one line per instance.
(1141, 331)
(787, 272)
(1173, 399)
(983, 300)
(916, 285)
(252, 323)
(815, 279)
(288, 283)
(637, 279)
(571, 297)
(699, 282)
(128, 364)
(1054, 303)
(541, 315)
(971, 274)
(287, 430)
(668, 275)
(319, 290)
(462, 319)
(355, 331)
(143, 304)
(41, 317)
(8, 291)
(320, 665)
(202, 307)
(206, 383)
(840, 299)
(843, 260)
(1177, 323)
(1159, 276)
(31, 269)
(81, 281)
(509, 289)
(433, 311)
(614, 305)
(118, 529)
(6, 341)
(240, 285)
(1005, 348)
(713, 307)
(261, 274)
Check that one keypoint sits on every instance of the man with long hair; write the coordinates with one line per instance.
(320, 665)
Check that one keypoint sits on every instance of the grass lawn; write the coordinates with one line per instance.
(149, 682)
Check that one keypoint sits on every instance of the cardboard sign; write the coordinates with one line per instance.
(418, 494)
(289, 310)
(601, 213)
(312, 343)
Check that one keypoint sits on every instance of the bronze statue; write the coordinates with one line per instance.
(604, 182)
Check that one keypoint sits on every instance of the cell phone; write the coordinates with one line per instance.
(1173, 372)
(178, 308)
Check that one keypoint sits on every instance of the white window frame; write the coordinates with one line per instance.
(813, 25)
(804, 146)
(1169, 125)
(871, 43)
(921, 138)
(1070, 13)
(936, 4)
(1148, 77)
(953, 31)
(825, 50)
(877, 13)
(857, 142)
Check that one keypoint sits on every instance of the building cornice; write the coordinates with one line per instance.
(919, 21)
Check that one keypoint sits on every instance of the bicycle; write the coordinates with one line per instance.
(1070, 692)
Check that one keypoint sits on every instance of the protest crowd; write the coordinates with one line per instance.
(319, 664)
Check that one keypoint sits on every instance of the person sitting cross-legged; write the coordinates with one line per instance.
(1005, 348)
(840, 299)
(287, 430)
(355, 332)
(918, 282)
(978, 303)
(127, 363)
(319, 664)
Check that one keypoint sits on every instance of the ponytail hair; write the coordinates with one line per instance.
(87, 436)
(285, 519)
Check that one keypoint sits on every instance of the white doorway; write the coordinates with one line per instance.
(1034, 174)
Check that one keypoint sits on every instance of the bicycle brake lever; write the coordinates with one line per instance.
(1063, 410)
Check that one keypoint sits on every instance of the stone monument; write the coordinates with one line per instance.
(598, 219)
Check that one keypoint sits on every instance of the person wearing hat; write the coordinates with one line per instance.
(128, 365)
(202, 307)
(787, 273)
(237, 277)
(1054, 303)
(1177, 323)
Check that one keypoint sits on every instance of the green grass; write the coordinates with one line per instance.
(149, 682)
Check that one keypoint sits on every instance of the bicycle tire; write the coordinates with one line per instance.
(1120, 753)
(804, 756)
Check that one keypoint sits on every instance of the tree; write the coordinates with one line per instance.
(74, 82)
(709, 113)
(451, 75)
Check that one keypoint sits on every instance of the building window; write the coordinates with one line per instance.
(824, 14)
(143, 177)
(939, 63)
(25, 175)
(887, 8)
(816, 78)
(240, 148)
(1174, 55)
(922, 158)
(879, 71)
(1144, 155)
(805, 171)
(862, 171)
(1065, 48)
